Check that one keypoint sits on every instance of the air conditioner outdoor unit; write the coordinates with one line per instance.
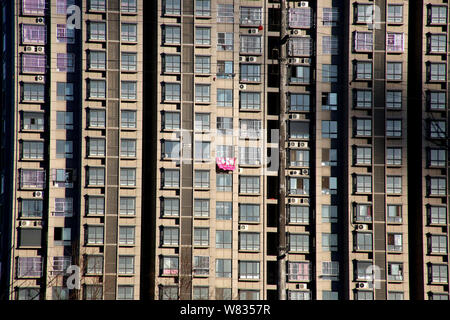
(304, 4)
(294, 32)
(29, 49)
(293, 200)
(37, 223)
(303, 144)
(243, 227)
(242, 87)
(254, 30)
(305, 172)
(37, 194)
(362, 285)
(39, 49)
(39, 78)
(242, 59)
(304, 200)
(362, 227)
(294, 116)
(293, 144)
(302, 286)
(40, 20)
(251, 59)
(24, 223)
(305, 60)
(294, 172)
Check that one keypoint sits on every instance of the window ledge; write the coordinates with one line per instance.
(125, 245)
(249, 280)
(30, 160)
(201, 74)
(241, 165)
(128, 275)
(202, 189)
(249, 194)
(128, 158)
(249, 251)
(127, 42)
(201, 217)
(196, 246)
(249, 110)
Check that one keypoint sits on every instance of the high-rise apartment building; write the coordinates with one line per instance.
(71, 148)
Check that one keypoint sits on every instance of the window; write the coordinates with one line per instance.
(223, 239)
(97, 118)
(329, 73)
(437, 14)
(125, 292)
(363, 241)
(94, 235)
(201, 208)
(32, 179)
(29, 267)
(437, 215)
(251, 16)
(32, 150)
(33, 92)
(331, 16)
(170, 207)
(172, 92)
(172, 35)
(438, 296)
(223, 294)
(298, 214)
(394, 42)
(128, 90)
(329, 157)
(97, 5)
(223, 268)
(362, 212)
(298, 271)
(62, 5)
(31, 208)
(201, 179)
(300, 17)
(128, 6)
(394, 184)
(437, 100)
(329, 185)
(224, 210)
(298, 130)
(437, 43)
(250, 72)
(437, 243)
(394, 242)
(30, 237)
(225, 69)
(172, 7)
(394, 213)
(129, 61)
(93, 292)
(249, 156)
(392, 295)
(363, 270)
(394, 71)
(202, 150)
(97, 31)
(299, 186)
(224, 151)
(224, 97)
(34, 34)
(438, 129)
(300, 74)
(168, 293)
(32, 121)
(249, 184)
(201, 265)
(330, 270)
(329, 242)
(33, 63)
(97, 89)
(202, 64)
(249, 241)
(171, 178)
(63, 207)
(437, 71)
(96, 205)
(330, 44)
(363, 41)
(393, 99)
(364, 13)
(249, 270)
(64, 149)
(248, 294)
(126, 264)
(395, 271)
(225, 13)
(129, 32)
(438, 273)
(170, 236)
(96, 176)
(363, 127)
(64, 91)
(362, 99)
(225, 41)
(437, 186)
(33, 7)
(60, 264)
(171, 120)
(203, 36)
(64, 120)
(395, 13)
(249, 212)
(394, 128)
(299, 158)
(128, 147)
(62, 236)
(126, 235)
(96, 147)
(250, 129)
(203, 8)
(224, 182)
(62, 178)
(64, 34)
(437, 157)
(200, 293)
(363, 155)
(299, 102)
(97, 60)
(329, 129)
(224, 126)
(201, 236)
(329, 213)
(251, 44)
(127, 206)
(364, 295)
(298, 242)
(330, 295)
(394, 156)
(363, 184)
(363, 70)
